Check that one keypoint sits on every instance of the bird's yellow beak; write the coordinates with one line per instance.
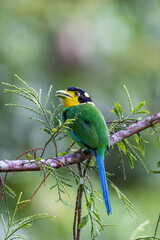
(63, 94)
(68, 98)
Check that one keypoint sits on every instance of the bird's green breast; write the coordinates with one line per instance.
(89, 125)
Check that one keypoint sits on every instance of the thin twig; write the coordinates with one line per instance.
(151, 238)
(79, 205)
(68, 150)
(122, 121)
(155, 233)
(1, 186)
(75, 216)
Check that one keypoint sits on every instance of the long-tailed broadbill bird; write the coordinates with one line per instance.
(88, 129)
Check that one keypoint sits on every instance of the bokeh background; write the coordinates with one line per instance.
(98, 46)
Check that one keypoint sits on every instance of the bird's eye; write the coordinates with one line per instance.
(76, 94)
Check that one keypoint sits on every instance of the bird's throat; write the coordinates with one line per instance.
(69, 102)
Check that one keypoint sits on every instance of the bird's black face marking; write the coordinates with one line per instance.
(83, 96)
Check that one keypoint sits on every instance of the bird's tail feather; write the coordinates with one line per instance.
(104, 184)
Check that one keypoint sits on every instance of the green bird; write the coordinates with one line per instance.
(88, 129)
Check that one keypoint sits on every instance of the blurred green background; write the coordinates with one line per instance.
(98, 46)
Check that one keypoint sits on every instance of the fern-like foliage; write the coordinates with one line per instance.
(133, 151)
(12, 227)
(50, 119)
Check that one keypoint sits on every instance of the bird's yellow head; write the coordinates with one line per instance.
(73, 96)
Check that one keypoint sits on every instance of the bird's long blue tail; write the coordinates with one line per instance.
(100, 161)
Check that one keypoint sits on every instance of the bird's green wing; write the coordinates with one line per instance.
(83, 127)
(86, 133)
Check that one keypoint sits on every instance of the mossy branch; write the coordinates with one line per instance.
(77, 157)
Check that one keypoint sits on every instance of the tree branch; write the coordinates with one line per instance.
(135, 128)
(77, 157)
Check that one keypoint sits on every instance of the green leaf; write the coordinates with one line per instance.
(122, 163)
(91, 199)
(142, 112)
(83, 222)
(68, 121)
(18, 236)
(46, 130)
(97, 215)
(39, 120)
(39, 94)
(29, 156)
(9, 85)
(22, 81)
(52, 105)
(138, 107)
(141, 147)
(55, 201)
(47, 97)
(49, 112)
(62, 154)
(3, 224)
(130, 159)
(92, 162)
(123, 197)
(67, 204)
(158, 164)
(98, 196)
(122, 147)
(157, 133)
(140, 144)
(129, 98)
(100, 224)
(137, 156)
(154, 171)
(119, 108)
(38, 159)
(115, 111)
(9, 191)
(97, 193)
(68, 185)
(55, 185)
(136, 138)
